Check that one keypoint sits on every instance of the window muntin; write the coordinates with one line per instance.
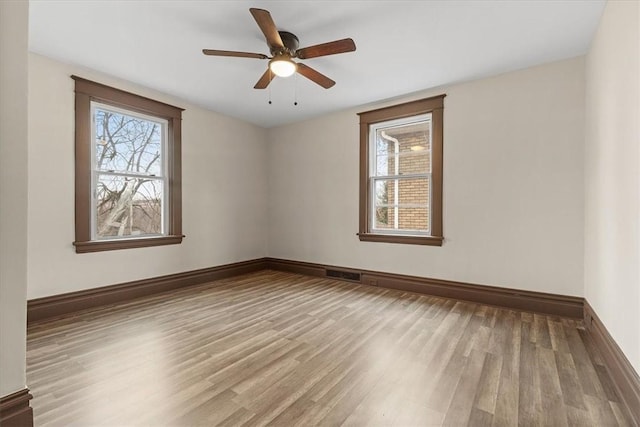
(129, 174)
(400, 175)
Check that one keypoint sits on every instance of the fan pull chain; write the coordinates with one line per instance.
(270, 78)
(295, 89)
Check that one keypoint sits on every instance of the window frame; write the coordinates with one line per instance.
(86, 93)
(368, 119)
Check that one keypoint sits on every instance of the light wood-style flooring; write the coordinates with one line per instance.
(283, 349)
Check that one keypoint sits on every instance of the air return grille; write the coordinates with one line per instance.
(344, 275)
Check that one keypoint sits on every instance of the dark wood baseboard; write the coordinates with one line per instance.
(58, 305)
(15, 409)
(624, 376)
(539, 302)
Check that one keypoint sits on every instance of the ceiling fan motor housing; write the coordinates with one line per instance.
(290, 42)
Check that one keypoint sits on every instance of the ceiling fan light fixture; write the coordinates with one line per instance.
(282, 66)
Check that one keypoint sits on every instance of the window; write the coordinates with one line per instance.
(401, 173)
(128, 155)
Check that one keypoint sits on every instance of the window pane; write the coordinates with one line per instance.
(413, 219)
(403, 192)
(413, 191)
(403, 149)
(384, 146)
(408, 163)
(401, 204)
(409, 137)
(128, 206)
(127, 143)
(409, 219)
(382, 217)
(382, 190)
(413, 137)
(382, 166)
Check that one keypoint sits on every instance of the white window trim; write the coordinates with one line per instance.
(164, 124)
(373, 177)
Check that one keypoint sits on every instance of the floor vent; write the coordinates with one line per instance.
(344, 275)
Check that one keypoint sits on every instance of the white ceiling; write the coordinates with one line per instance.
(402, 46)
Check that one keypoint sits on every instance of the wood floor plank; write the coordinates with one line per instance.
(238, 418)
(551, 403)
(572, 393)
(487, 390)
(275, 348)
(621, 413)
(529, 404)
(480, 418)
(508, 398)
(459, 410)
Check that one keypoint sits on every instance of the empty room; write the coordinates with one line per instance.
(299, 213)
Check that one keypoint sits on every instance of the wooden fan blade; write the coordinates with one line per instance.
(315, 76)
(234, 53)
(265, 80)
(324, 49)
(268, 27)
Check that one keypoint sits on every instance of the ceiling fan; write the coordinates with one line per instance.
(283, 46)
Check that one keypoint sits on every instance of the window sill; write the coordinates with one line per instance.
(111, 245)
(407, 240)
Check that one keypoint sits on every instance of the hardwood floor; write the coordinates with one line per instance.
(283, 349)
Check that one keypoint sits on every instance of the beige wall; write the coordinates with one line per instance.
(223, 190)
(612, 175)
(513, 186)
(13, 194)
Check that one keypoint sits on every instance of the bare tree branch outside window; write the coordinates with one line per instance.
(129, 181)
